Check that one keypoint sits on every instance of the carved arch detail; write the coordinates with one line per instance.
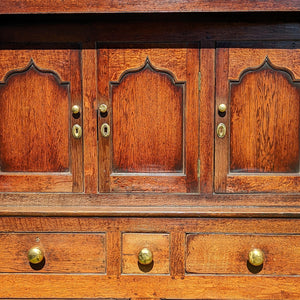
(266, 64)
(32, 65)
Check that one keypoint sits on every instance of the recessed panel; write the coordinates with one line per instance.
(34, 123)
(147, 122)
(264, 124)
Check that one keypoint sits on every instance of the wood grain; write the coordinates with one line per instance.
(38, 91)
(64, 253)
(147, 126)
(31, 123)
(228, 254)
(152, 132)
(262, 117)
(265, 122)
(109, 6)
(81, 286)
(90, 157)
(207, 93)
(158, 244)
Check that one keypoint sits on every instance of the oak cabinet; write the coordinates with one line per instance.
(149, 155)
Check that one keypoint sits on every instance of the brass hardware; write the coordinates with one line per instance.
(77, 131)
(256, 257)
(222, 108)
(35, 255)
(199, 81)
(198, 168)
(103, 108)
(221, 130)
(105, 130)
(75, 109)
(145, 257)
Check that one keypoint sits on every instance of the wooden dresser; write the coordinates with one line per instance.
(150, 149)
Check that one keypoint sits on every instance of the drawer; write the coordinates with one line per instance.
(63, 252)
(228, 254)
(157, 244)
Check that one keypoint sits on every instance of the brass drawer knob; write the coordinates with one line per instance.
(256, 257)
(75, 109)
(35, 255)
(103, 108)
(222, 108)
(145, 257)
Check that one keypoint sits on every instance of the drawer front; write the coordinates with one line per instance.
(157, 244)
(228, 254)
(63, 252)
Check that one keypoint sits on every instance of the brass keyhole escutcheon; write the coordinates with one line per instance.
(221, 130)
(77, 131)
(105, 130)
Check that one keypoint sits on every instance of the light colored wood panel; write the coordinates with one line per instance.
(167, 183)
(207, 93)
(270, 183)
(158, 244)
(35, 182)
(57, 60)
(64, 253)
(244, 58)
(245, 223)
(228, 254)
(90, 156)
(215, 287)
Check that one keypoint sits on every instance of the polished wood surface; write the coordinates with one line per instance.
(260, 152)
(37, 91)
(152, 98)
(171, 235)
(228, 254)
(110, 6)
(158, 244)
(63, 252)
(162, 180)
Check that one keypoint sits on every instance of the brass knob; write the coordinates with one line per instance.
(75, 109)
(222, 108)
(35, 255)
(256, 257)
(103, 108)
(145, 257)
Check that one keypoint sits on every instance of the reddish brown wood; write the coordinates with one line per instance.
(265, 121)
(263, 134)
(228, 254)
(207, 94)
(158, 244)
(147, 109)
(35, 107)
(37, 92)
(89, 120)
(63, 252)
(154, 134)
(109, 6)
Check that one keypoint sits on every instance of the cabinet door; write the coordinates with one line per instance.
(260, 85)
(38, 88)
(151, 93)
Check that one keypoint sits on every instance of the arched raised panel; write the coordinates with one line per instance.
(264, 127)
(151, 93)
(34, 123)
(147, 122)
(261, 149)
(38, 88)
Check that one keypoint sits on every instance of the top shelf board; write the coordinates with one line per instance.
(146, 6)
